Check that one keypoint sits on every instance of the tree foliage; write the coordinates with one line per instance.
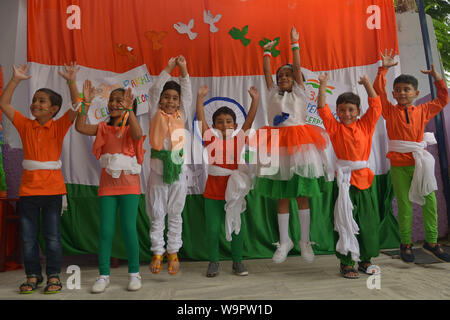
(439, 10)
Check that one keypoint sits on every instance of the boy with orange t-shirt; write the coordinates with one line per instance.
(42, 186)
(226, 186)
(412, 167)
(355, 209)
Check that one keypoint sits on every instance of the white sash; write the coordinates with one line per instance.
(32, 165)
(344, 223)
(238, 186)
(424, 181)
(115, 163)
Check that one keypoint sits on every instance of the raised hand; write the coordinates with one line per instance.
(253, 92)
(323, 77)
(181, 61)
(88, 91)
(433, 73)
(172, 63)
(269, 45)
(364, 80)
(70, 73)
(182, 64)
(202, 91)
(388, 59)
(128, 98)
(294, 35)
(20, 72)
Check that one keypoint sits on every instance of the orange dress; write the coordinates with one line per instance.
(107, 141)
(297, 146)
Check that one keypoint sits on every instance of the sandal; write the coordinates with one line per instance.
(33, 285)
(173, 263)
(54, 283)
(345, 270)
(368, 268)
(156, 264)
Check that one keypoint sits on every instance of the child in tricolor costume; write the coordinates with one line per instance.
(355, 209)
(42, 186)
(118, 146)
(170, 105)
(228, 181)
(299, 148)
(412, 167)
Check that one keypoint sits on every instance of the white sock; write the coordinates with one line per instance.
(304, 217)
(134, 274)
(283, 226)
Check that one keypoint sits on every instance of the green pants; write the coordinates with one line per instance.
(128, 204)
(367, 216)
(215, 222)
(401, 182)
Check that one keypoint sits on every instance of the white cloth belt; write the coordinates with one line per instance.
(344, 223)
(424, 181)
(238, 186)
(32, 165)
(115, 163)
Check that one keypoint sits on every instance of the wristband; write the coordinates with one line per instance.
(295, 46)
(267, 53)
(75, 106)
(69, 82)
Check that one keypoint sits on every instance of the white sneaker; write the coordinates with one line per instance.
(307, 251)
(135, 283)
(100, 285)
(281, 253)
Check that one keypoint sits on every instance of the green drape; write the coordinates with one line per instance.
(80, 224)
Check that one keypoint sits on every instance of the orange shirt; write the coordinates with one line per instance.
(354, 141)
(163, 123)
(397, 126)
(107, 141)
(216, 185)
(42, 143)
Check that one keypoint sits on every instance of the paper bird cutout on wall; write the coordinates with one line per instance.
(155, 37)
(208, 18)
(125, 50)
(237, 34)
(182, 29)
(273, 51)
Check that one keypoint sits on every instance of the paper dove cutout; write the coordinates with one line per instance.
(237, 34)
(182, 28)
(125, 50)
(209, 19)
(155, 37)
(274, 51)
